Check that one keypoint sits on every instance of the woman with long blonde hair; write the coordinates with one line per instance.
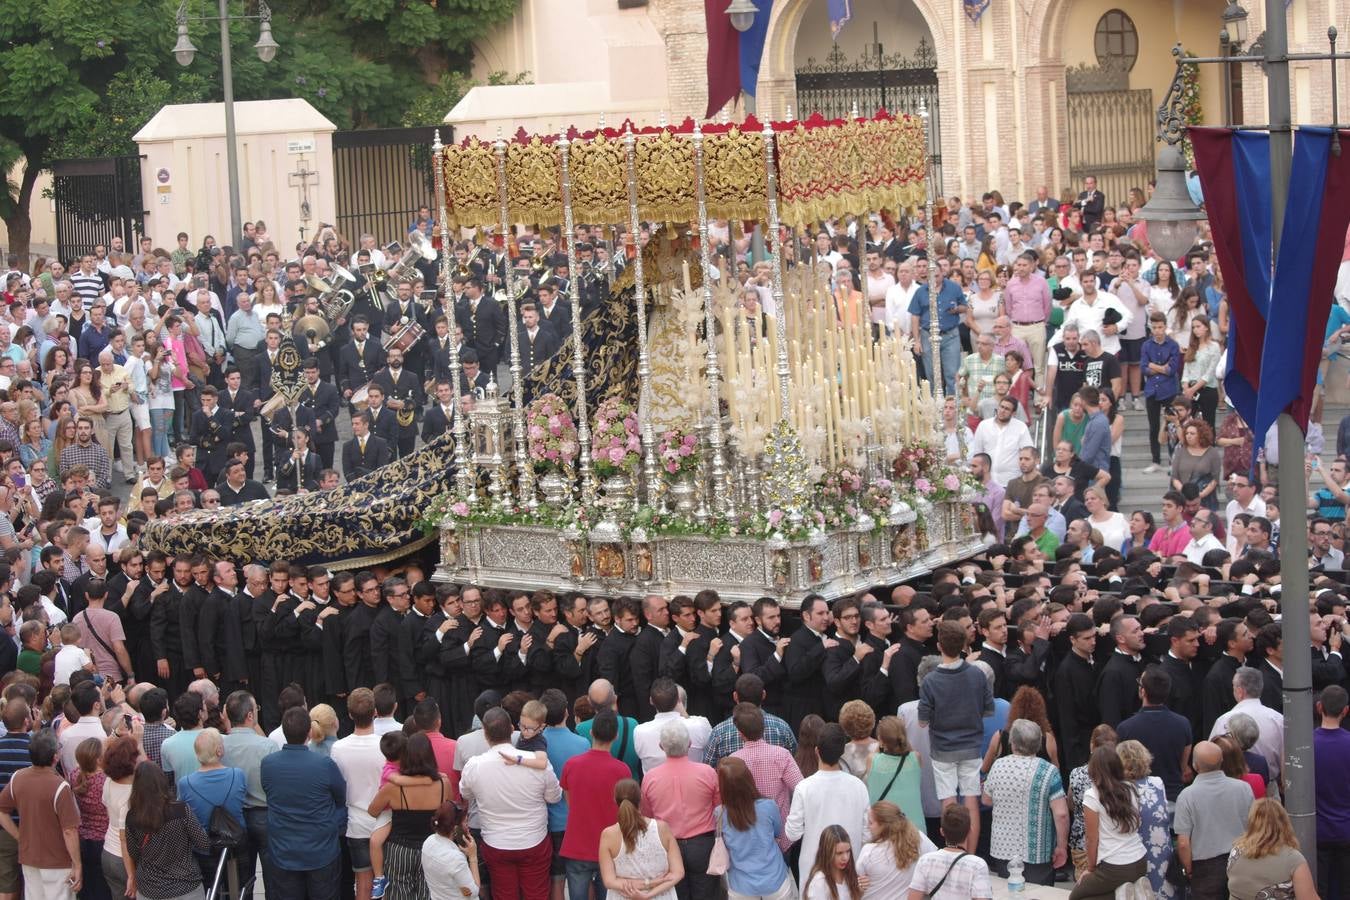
(638, 854)
(886, 862)
(1266, 858)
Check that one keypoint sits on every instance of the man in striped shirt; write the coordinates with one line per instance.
(13, 757)
(87, 282)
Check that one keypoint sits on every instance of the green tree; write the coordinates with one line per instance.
(81, 77)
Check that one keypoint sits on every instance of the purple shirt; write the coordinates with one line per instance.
(1331, 756)
(1027, 299)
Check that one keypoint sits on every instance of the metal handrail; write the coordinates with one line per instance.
(233, 888)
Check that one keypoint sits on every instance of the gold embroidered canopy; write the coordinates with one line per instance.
(825, 168)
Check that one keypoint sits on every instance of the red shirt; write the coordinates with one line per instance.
(589, 779)
(1168, 542)
(444, 748)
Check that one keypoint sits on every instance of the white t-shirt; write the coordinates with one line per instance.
(967, 877)
(360, 761)
(1114, 846)
(115, 799)
(69, 659)
(877, 862)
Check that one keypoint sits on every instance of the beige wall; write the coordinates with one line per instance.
(197, 195)
(1310, 82)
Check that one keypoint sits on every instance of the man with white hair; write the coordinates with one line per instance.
(116, 382)
(1247, 684)
(682, 793)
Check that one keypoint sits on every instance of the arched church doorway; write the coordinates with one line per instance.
(883, 58)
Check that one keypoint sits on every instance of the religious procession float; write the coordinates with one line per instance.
(675, 443)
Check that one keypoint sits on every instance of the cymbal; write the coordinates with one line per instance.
(311, 327)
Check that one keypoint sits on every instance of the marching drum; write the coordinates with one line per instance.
(360, 398)
(405, 338)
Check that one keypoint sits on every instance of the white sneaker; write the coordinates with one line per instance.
(1139, 403)
(1150, 468)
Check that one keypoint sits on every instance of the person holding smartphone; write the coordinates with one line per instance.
(450, 856)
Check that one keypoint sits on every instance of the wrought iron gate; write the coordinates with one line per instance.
(1111, 131)
(381, 176)
(896, 83)
(97, 199)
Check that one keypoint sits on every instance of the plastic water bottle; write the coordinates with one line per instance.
(1016, 883)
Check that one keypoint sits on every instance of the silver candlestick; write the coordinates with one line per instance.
(524, 471)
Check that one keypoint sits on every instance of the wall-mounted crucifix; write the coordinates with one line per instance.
(302, 178)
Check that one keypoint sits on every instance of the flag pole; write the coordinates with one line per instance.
(1297, 769)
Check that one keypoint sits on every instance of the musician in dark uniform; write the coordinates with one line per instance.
(212, 431)
(358, 359)
(301, 466)
(402, 311)
(266, 364)
(483, 324)
(438, 349)
(320, 399)
(403, 394)
(538, 342)
(440, 416)
(244, 405)
(311, 344)
(472, 378)
(365, 452)
(555, 311)
(382, 419)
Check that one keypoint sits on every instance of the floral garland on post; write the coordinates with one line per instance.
(551, 435)
(1191, 109)
(614, 438)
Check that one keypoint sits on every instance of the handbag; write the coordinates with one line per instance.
(719, 860)
(224, 832)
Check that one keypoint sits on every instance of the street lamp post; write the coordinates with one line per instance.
(1169, 211)
(185, 52)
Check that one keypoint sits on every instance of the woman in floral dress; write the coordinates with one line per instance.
(1155, 824)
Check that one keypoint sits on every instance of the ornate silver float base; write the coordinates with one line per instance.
(833, 564)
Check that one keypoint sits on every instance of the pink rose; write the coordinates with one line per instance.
(686, 450)
(551, 454)
(633, 443)
(951, 482)
(460, 509)
(568, 449)
(923, 486)
(536, 432)
(775, 516)
(672, 467)
(616, 455)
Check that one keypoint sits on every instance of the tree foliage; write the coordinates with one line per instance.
(80, 77)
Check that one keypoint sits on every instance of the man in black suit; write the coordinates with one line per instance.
(844, 663)
(1270, 646)
(1183, 696)
(440, 416)
(320, 399)
(404, 396)
(166, 643)
(1092, 202)
(237, 488)
(266, 363)
(762, 653)
(300, 470)
(555, 311)
(382, 418)
(212, 431)
(357, 658)
(384, 631)
(244, 405)
(438, 347)
(402, 311)
(448, 638)
(1074, 689)
(1235, 640)
(218, 632)
(574, 649)
(804, 662)
(358, 359)
(616, 654)
(645, 659)
(1118, 684)
(538, 342)
(674, 659)
(472, 378)
(491, 668)
(412, 675)
(365, 452)
(483, 324)
(916, 629)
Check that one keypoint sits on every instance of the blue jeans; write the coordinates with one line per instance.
(951, 358)
(580, 874)
(160, 421)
